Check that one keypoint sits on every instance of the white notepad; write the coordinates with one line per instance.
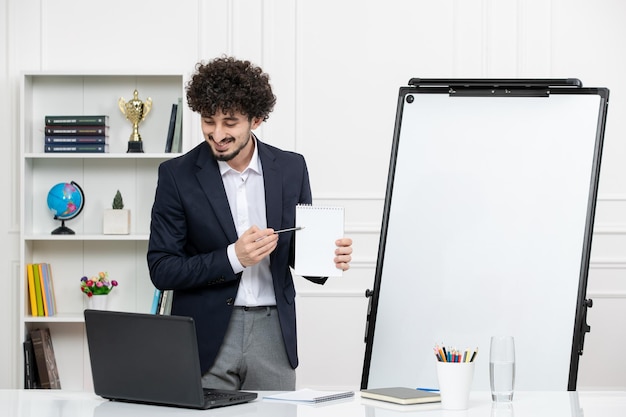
(315, 243)
(310, 396)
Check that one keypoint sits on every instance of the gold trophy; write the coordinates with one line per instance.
(136, 111)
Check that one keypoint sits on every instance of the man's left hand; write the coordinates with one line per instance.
(343, 253)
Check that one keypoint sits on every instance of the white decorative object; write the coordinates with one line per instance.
(98, 302)
(116, 222)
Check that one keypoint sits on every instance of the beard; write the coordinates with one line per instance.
(229, 156)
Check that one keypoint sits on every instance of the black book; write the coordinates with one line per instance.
(177, 141)
(82, 120)
(170, 130)
(76, 139)
(31, 378)
(77, 130)
(76, 148)
(46, 361)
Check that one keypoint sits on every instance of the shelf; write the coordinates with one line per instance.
(100, 176)
(39, 155)
(58, 318)
(79, 237)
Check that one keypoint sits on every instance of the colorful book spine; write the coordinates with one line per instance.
(47, 283)
(76, 148)
(51, 140)
(82, 120)
(31, 290)
(44, 295)
(38, 291)
(76, 130)
(41, 289)
(156, 300)
(53, 300)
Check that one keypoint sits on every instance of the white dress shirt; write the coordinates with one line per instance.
(246, 196)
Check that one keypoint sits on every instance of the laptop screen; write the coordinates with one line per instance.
(144, 358)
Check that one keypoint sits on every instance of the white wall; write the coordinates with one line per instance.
(336, 67)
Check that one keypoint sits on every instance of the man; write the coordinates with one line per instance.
(212, 234)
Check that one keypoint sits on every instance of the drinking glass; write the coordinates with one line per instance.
(502, 368)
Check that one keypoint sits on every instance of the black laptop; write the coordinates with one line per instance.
(152, 359)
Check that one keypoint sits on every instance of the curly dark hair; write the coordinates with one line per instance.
(230, 85)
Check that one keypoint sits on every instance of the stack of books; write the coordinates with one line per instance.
(40, 366)
(40, 290)
(76, 134)
(162, 302)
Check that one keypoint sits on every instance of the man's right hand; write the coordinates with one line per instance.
(255, 244)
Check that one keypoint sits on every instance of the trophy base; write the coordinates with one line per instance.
(135, 147)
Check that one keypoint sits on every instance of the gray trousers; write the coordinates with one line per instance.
(252, 356)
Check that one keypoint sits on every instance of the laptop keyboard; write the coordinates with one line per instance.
(212, 395)
(216, 396)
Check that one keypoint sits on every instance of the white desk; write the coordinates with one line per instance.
(53, 403)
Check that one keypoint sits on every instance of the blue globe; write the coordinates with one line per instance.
(65, 201)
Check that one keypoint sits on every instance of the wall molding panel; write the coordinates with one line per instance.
(608, 264)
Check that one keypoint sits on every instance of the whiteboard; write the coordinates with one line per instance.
(486, 231)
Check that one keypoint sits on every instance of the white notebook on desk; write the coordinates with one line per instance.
(310, 396)
(315, 242)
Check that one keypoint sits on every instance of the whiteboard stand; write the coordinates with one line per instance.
(487, 229)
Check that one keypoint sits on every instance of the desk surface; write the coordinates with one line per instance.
(54, 403)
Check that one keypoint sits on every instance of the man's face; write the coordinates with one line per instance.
(228, 135)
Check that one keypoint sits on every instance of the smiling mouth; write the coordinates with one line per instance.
(223, 144)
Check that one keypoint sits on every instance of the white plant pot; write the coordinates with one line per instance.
(98, 302)
(116, 222)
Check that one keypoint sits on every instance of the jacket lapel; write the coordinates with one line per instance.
(273, 182)
(210, 180)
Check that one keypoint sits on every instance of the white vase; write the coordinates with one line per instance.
(98, 302)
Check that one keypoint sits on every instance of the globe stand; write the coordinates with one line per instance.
(63, 230)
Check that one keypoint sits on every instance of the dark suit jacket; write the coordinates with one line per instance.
(192, 226)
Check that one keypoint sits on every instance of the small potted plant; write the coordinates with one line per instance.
(96, 289)
(116, 220)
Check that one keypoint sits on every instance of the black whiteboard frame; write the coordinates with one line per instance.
(496, 88)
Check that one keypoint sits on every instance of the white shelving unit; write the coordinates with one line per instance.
(100, 176)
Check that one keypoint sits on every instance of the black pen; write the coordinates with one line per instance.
(291, 229)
